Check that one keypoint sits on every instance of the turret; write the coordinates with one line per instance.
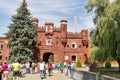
(85, 37)
(63, 27)
(35, 21)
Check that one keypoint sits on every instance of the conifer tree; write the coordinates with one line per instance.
(22, 35)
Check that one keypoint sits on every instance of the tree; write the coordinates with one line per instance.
(93, 52)
(78, 64)
(22, 35)
(51, 58)
(106, 36)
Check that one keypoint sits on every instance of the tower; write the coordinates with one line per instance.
(63, 26)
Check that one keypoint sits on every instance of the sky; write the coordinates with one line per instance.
(49, 11)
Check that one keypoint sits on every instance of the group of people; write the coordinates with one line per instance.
(45, 68)
(14, 67)
(4, 70)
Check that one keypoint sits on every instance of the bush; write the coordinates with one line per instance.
(78, 64)
(108, 64)
(93, 67)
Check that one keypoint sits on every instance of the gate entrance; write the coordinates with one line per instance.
(48, 57)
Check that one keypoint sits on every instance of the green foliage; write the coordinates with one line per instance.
(93, 54)
(106, 35)
(51, 58)
(22, 35)
(78, 64)
(108, 64)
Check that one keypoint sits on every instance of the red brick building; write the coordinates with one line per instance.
(63, 45)
(56, 42)
(4, 49)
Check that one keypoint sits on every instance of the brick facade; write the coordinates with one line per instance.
(56, 41)
(4, 49)
(64, 46)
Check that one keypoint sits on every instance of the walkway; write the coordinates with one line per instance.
(56, 76)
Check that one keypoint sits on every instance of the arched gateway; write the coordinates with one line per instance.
(48, 57)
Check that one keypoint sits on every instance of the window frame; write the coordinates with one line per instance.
(48, 41)
(1, 46)
(75, 45)
(75, 58)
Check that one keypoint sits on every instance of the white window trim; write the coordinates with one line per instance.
(74, 44)
(48, 43)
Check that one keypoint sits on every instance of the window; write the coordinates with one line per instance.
(74, 58)
(48, 42)
(74, 46)
(1, 46)
(0, 57)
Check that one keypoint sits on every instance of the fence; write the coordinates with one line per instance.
(87, 75)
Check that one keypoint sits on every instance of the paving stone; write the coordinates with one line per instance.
(57, 75)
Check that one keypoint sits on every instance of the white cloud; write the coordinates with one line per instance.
(52, 11)
(60, 6)
(8, 7)
(87, 21)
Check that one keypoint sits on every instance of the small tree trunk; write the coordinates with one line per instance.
(119, 64)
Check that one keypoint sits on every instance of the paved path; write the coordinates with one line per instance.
(56, 76)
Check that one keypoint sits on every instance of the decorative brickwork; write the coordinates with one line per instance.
(64, 46)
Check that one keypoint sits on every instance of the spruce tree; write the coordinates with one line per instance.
(22, 35)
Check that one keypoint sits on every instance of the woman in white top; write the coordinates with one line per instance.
(42, 67)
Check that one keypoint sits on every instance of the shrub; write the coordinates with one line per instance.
(93, 67)
(108, 64)
(78, 64)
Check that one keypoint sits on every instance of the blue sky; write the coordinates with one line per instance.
(49, 11)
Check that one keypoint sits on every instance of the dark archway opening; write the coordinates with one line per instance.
(48, 57)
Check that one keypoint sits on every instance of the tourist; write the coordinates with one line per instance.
(59, 66)
(5, 70)
(33, 67)
(49, 68)
(1, 70)
(72, 65)
(27, 65)
(16, 71)
(69, 70)
(56, 65)
(62, 67)
(65, 63)
(41, 67)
